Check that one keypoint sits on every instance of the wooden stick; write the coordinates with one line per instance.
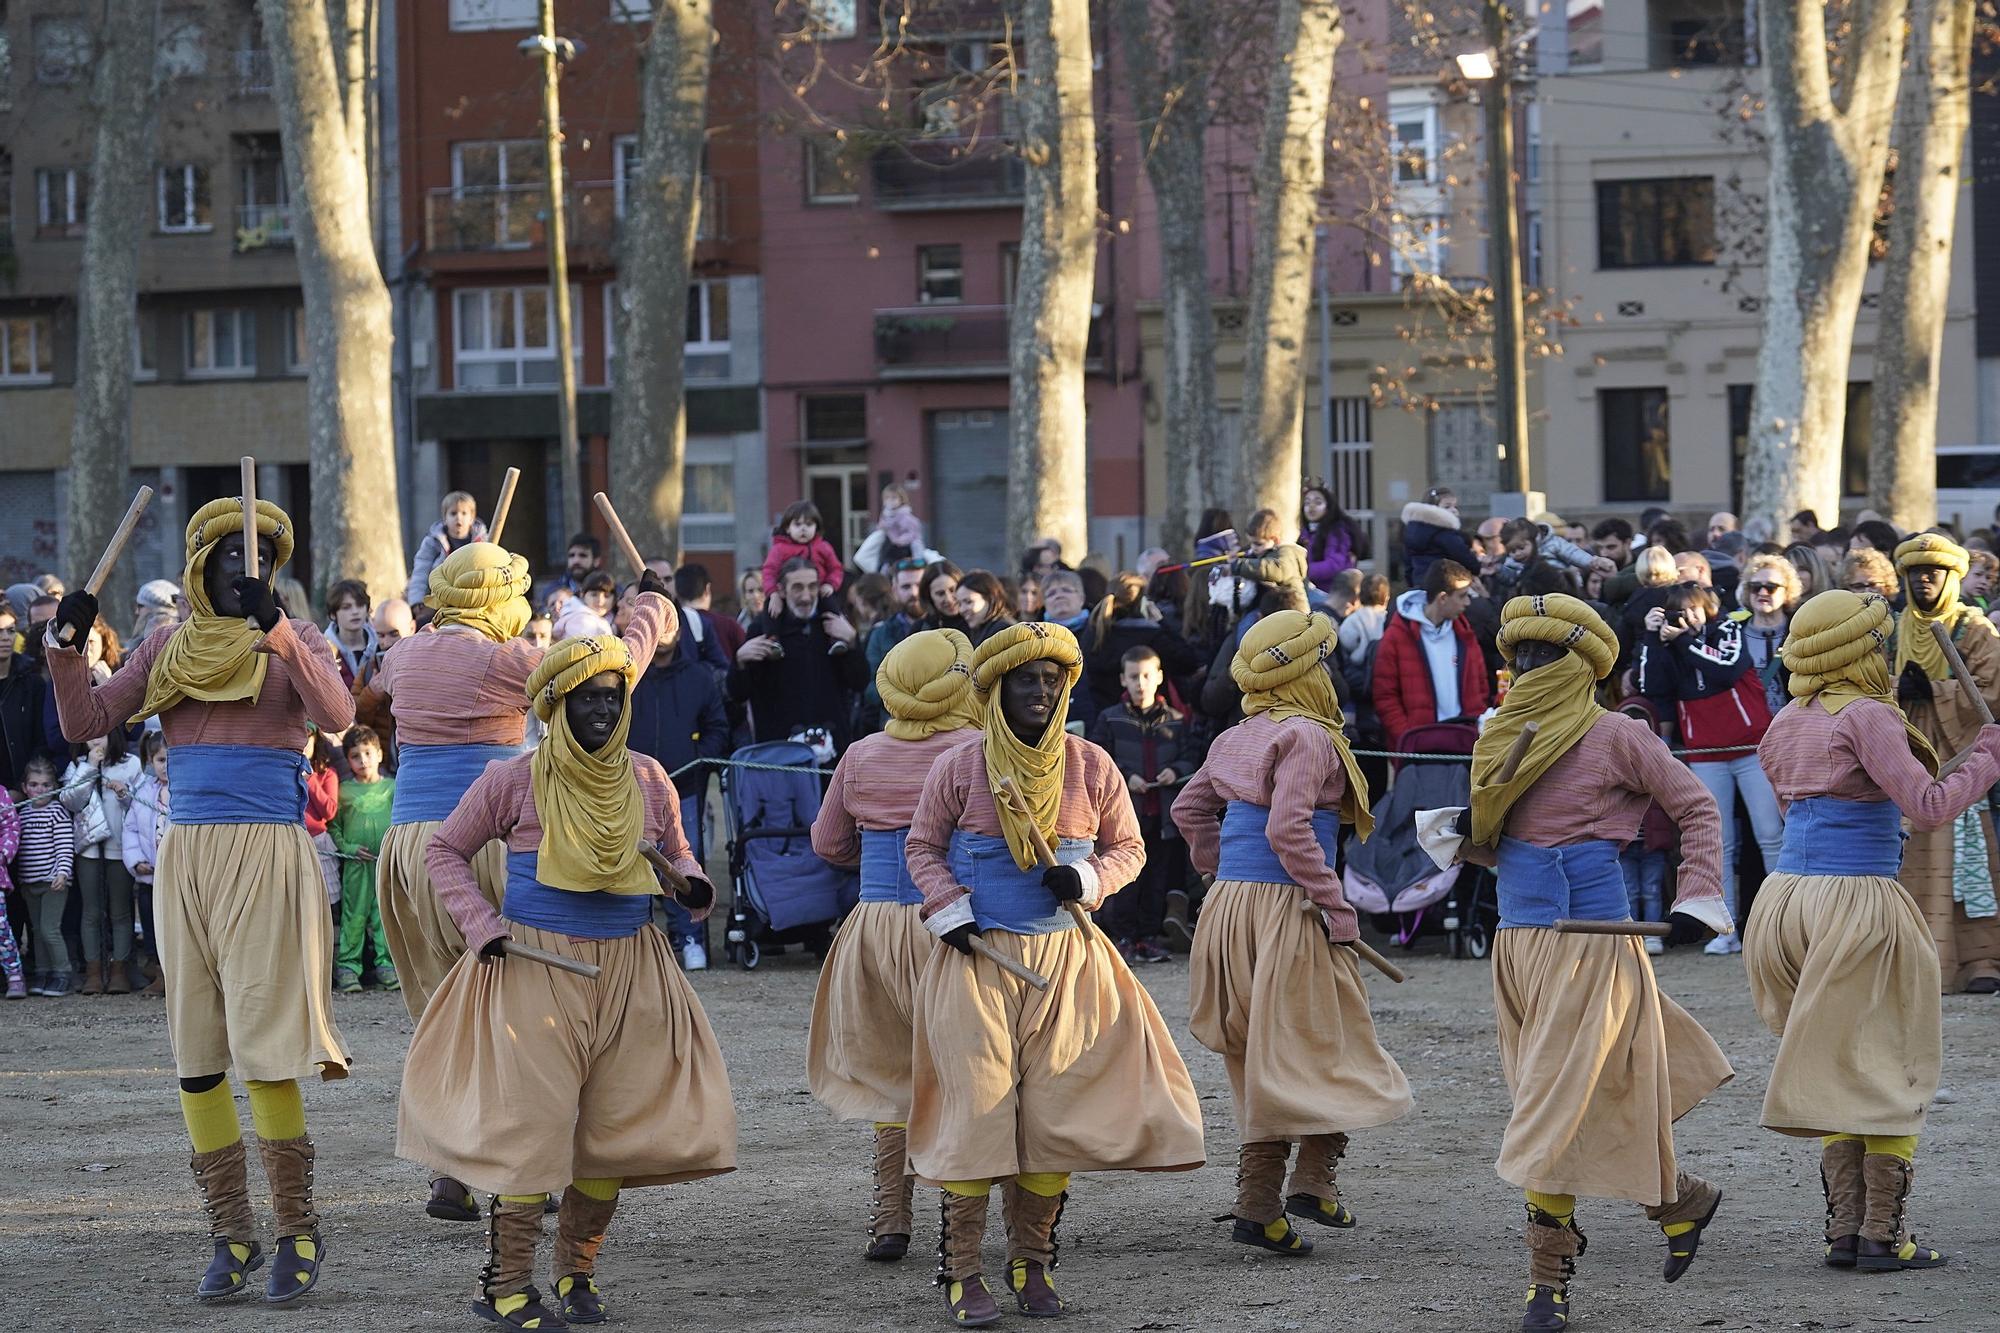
(499, 523)
(619, 535)
(1961, 671)
(249, 466)
(1044, 854)
(1512, 763)
(1378, 962)
(547, 959)
(1661, 929)
(1008, 965)
(674, 879)
(120, 539)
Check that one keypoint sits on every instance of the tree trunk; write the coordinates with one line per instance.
(1291, 168)
(1828, 151)
(125, 96)
(356, 529)
(1170, 91)
(1047, 480)
(1934, 109)
(656, 250)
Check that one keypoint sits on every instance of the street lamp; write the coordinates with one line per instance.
(553, 52)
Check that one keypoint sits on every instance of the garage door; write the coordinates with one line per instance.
(968, 450)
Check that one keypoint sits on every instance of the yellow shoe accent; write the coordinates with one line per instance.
(1017, 1274)
(1678, 1228)
(211, 1118)
(304, 1247)
(276, 1110)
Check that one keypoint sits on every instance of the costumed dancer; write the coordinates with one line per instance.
(1950, 869)
(1600, 1063)
(1012, 1084)
(1842, 964)
(1268, 988)
(523, 1080)
(858, 1048)
(245, 943)
(458, 693)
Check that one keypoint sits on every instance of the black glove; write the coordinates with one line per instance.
(494, 948)
(960, 938)
(699, 894)
(1064, 883)
(652, 582)
(75, 615)
(1913, 686)
(259, 602)
(1462, 826)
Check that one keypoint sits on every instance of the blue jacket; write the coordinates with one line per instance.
(677, 714)
(1431, 533)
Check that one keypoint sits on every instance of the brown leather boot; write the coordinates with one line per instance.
(961, 1230)
(1693, 1205)
(889, 1227)
(288, 1165)
(1846, 1199)
(507, 1292)
(93, 979)
(116, 981)
(1031, 1220)
(580, 1227)
(1554, 1246)
(222, 1177)
(1314, 1193)
(1886, 1244)
(1260, 1208)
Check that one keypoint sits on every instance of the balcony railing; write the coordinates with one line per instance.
(945, 341)
(259, 226)
(253, 74)
(479, 219)
(947, 173)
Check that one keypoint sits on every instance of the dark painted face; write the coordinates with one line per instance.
(225, 566)
(593, 709)
(1532, 653)
(1029, 697)
(1926, 585)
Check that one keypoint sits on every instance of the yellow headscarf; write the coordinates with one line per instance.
(1560, 698)
(210, 658)
(1835, 653)
(589, 804)
(926, 685)
(1036, 770)
(1281, 668)
(1914, 640)
(482, 586)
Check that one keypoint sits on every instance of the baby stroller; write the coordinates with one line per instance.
(1391, 876)
(784, 895)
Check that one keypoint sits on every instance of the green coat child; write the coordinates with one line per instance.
(357, 831)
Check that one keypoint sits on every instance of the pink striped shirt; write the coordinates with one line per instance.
(958, 795)
(501, 804)
(1291, 769)
(876, 786)
(1862, 754)
(302, 681)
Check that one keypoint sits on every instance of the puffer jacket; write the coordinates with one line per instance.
(1430, 534)
(1404, 695)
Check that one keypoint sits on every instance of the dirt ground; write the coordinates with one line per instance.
(99, 1227)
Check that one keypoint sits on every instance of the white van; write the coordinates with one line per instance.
(1968, 485)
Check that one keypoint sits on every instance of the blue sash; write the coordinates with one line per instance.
(588, 916)
(237, 784)
(1825, 835)
(430, 779)
(1246, 844)
(1004, 896)
(885, 875)
(1542, 885)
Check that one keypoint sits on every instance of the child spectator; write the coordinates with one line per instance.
(458, 525)
(539, 631)
(590, 613)
(10, 952)
(1361, 628)
(1977, 585)
(798, 534)
(44, 863)
(898, 535)
(1528, 542)
(1157, 752)
(97, 789)
(322, 804)
(145, 824)
(348, 630)
(357, 832)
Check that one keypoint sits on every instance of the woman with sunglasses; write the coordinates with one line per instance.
(1770, 592)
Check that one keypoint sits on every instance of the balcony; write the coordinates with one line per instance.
(493, 219)
(253, 74)
(933, 174)
(958, 341)
(937, 20)
(261, 226)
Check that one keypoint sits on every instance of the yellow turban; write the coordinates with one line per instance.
(1914, 640)
(482, 586)
(1036, 770)
(1560, 698)
(1835, 654)
(926, 684)
(589, 803)
(1281, 668)
(211, 658)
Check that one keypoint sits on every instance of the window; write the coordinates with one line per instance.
(708, 317)
(221, 343)
(1010, 271)
(498, 187)
(940, 275)
(708, 490)
(295, 340)
(263, 210)
(1411, 148)
(61, 194)
(835, 417)
(182, 52)
(27, 346)
(831, 175)
(1637, 446)
(184, 204)
(1663, 223)
(6, 177)
(1531, 258)
(480, 15)
(62, 49)
(625, 174)
(145, 345)
(830, 20)
(1416, 243)
(1531, 116)
(1857, 434)
(504, 338)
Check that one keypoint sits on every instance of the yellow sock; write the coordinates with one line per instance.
(1276, 1230)
(211, 1118)
(601, 1188)
(1048, 1184)
(966, 1189)
(892, 1124)
(1828, 1140)
(1562, 1207)
(541, 1198)
(276, 1110)
(1893, 1145)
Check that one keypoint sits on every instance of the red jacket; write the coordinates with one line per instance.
(1402, 685)
(322, 799)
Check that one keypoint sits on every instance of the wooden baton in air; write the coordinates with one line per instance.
(499, 523)
(619, 535)
(112, 550)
